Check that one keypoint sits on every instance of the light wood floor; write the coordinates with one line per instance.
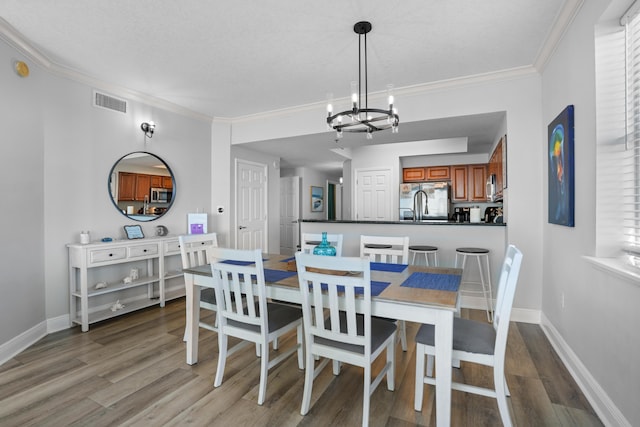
(131, 371)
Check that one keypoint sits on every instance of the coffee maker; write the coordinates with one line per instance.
(461, 215)
(490, 214)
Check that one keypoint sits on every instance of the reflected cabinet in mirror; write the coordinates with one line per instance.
(142, 186)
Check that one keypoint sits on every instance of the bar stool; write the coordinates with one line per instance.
(480, 254)
(426, 250)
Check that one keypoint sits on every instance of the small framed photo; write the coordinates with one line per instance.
(133, 232)
(317, 199)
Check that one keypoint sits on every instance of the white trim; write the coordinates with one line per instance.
(617, 267)
(606, 409)
(22, 341)
(59, 323)
(523, 315)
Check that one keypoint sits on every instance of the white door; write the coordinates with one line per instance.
(373, 195)
(251, 205)
(289, 214)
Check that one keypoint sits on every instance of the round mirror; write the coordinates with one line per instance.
(142, 186)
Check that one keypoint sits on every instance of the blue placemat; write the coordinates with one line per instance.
(273, 276)
(436, 281)
(237, 262)
(288, 259)
(382, 266)
(376, 288)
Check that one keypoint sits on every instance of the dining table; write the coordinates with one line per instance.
(399, 291)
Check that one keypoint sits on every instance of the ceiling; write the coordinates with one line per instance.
(234, 59)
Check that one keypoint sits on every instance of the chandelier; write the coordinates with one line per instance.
(361, 118)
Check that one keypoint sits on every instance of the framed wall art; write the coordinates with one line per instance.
(317, 199)
(561, 169)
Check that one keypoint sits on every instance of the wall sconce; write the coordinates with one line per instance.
(148, 129)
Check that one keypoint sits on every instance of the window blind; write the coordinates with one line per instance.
(631, 160)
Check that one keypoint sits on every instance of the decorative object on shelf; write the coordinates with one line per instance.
(107, 239)
(117, 306)
(127, 280)
(161, 230)
(324, 248)
(317, 199)
(561, 167)
(100, 285)
(85, 237)
(148, 128)
(134, 274)
(361, 118)
(197, 223)
(133, 232)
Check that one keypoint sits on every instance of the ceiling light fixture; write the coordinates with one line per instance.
(148, 129)
(361, 118)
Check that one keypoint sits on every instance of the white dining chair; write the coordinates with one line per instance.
(311, 240)
(193, 252)
(476, 342)
(329, 285)
(390, 250)
(244, 313)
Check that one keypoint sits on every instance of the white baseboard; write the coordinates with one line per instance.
(58, 323)
(606, 409)
(22, 341)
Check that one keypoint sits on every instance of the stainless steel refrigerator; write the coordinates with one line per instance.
(425, 201)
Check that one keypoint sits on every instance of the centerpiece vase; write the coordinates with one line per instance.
(324, 248)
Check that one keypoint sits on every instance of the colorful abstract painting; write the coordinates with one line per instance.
(561, 169)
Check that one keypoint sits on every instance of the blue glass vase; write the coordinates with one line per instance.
(324, 248)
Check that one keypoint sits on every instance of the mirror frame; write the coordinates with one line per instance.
(111, 184)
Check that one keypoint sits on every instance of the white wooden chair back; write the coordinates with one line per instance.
(397, 254)
(334, 239)
(193, 248)
(340, 275)
(505, 295)
(235, 294)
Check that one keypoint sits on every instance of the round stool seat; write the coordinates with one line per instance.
(473, 250)
(423, 248)
(377, 246)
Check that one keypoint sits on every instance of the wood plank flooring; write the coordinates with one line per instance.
(131, 371)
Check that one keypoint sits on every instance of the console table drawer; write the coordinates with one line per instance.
(142, 250)
(104, 255)
(172, 247)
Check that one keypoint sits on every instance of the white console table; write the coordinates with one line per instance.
(110, 262)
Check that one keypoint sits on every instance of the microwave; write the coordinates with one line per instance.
(161, 195)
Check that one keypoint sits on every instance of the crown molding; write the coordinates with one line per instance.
(16, 40)
(563, 20)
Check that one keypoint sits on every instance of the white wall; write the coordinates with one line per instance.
(22, 252)
(600, 318)
(57, 151)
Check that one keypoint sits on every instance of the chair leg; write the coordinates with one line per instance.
(366, 396)
(430, 359)
(222, 358)
(417, 403)
(264, 372)
(391, 362)
(274, 343)
(501, 395)
(403, 334)
(308, 382)
(336, 367)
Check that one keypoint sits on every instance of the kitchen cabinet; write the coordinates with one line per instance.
(468, 183)
(126, 186)
(157, 260)
(156, 181)
(414, 174)
(496, 166)
(167, 182)
(143, 187)
(423, 174)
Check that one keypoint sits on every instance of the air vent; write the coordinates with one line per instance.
(109, 102)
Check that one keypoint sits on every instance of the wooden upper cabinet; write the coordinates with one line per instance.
(496, 166)
(156, 181)
(414, 174)
(459, 178)
(126, 186)
(477, 183)
(143, 187)
(438, 173)
(167, 182)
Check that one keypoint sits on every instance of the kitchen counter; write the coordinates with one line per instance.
(407, 222)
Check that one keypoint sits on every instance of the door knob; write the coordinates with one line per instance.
(242, 227)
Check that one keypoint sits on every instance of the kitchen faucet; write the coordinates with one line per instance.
(417, 201)
(145, 205)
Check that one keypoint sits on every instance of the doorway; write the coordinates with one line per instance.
(251, 205)
(289, 214)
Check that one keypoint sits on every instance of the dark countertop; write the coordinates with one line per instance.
(408, 222)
